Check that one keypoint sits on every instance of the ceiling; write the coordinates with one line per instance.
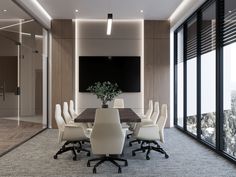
(13, 11)
(121, 9)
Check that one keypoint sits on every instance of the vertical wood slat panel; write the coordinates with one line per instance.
(157, 62)
(62, 63)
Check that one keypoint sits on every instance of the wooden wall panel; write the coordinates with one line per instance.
(148, 71)
(157, 62)
(62, 63)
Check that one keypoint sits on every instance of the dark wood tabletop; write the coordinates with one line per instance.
(126, 115)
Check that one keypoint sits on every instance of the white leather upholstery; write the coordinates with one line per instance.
(153, 118)
(68, 132)
(152, 131)
(119, 103)
(149, 111)
(72, 110)
(107, 136)
(66, 114)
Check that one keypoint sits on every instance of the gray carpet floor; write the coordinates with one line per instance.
(187, 159)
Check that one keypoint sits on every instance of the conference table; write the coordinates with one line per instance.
(126, 115)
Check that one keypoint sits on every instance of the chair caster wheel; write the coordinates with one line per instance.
(139, 142)
(94, 170)
(55, 156)
(166, 156)
(88, 164)
(119, 170)
(133, 154)
(75, 158)
(147, 157)
(130, 144)
(88, 154)
(143, 150)
(78, 151)
(126, 163)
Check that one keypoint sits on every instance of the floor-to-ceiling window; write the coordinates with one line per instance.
(208, 76)
(180, 77)
(191, 47)
(229, 55)
(23, 77)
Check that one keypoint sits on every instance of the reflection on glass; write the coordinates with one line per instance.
(23, 54)
(208, 75)
(192, 76)
(229, 51)
(180, 81)
(230, 99)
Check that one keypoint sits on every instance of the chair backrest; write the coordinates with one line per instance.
(60, 121)
(162, 121)
(150, 110)
(72, 110)
(155, 113)
(107, 136)
(66, 114)
(119, 103)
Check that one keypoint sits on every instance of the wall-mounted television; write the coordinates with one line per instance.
(123, 70)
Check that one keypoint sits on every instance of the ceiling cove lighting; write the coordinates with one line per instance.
(109, 24)
(40, 7)
(179, 9)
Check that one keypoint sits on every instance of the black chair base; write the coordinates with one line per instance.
(107, 158)
(129, 135)
(148, 148)
(72, 148)
(134, 141)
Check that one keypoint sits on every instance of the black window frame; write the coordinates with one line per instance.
(219, 11)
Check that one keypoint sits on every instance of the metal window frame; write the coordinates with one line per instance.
(219, 11)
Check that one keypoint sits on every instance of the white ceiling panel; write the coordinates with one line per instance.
(121, 9)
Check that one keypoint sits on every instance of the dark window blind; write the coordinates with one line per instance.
(229, 28)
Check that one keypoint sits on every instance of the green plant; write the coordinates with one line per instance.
(105, 91)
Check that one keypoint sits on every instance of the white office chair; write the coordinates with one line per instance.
(118, 103)
(66, 114)
(107, 137)
(144, 117)
(149, 111)
(72, 110)
(151, 120)
(71, 134)
(151, 133)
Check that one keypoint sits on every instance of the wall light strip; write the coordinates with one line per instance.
(40, 7)
(109, 24)
(76, 65)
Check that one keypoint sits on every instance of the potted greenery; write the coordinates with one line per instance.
(105, 91)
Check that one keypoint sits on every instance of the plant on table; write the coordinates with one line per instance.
(105, 91)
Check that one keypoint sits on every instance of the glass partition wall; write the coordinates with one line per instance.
(23, 79)
(205, 85)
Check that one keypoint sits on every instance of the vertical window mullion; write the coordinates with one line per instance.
(175, 78)
(185, 77)
(199, 22)
(219, 74)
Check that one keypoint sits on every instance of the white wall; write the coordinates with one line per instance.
(125, 40)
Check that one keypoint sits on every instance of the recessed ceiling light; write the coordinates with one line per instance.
(76, 10)
(4, 10)
(141, 11)
(230, 11)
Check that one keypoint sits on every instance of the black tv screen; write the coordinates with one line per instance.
(125, 71)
